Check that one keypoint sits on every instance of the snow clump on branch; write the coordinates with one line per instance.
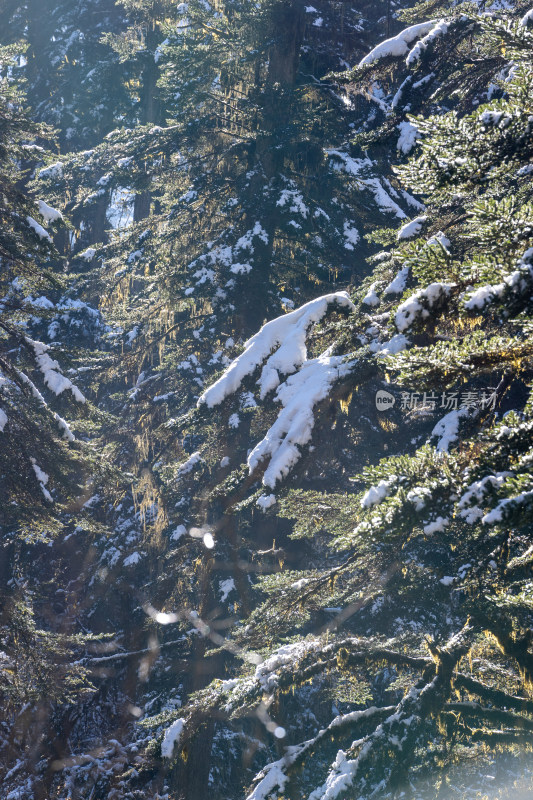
(281, 344)
(398, 45)
(285, 336)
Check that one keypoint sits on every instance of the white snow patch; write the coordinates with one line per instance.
(409, 133)
(180, 531)
(467, 505)
(294, 200)
(437, 526)
(53, 377)
(351, 235)
(447, 429)
(132, 335)
(412, 228)
(273, 778)
(229, 685)
(65, 427)
(172, 737)
(294, 425)
(266, 501)
(300, 584)
(88, 254)
(238, 269)
(188, 465)
(246, 243)
(133, 559)
(53, 171)
(517, 282)
(226, 586)
(40, 302)
(43, 479)
(50, 214)
(419, 496)
(286, 333)
(420, 303)
(39, 230)
(298, 394)
(3, 420)
(440, 239)
(395, 345)
(265, 673)
(137, 254)
(484, 295)
(354, 166)
(383, 198)
(339, 779)
(397, 285)
(376, 494)
(508, 504)
(398, 45)
(371, 298)
(439, 29)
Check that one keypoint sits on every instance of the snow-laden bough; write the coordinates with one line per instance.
(280, 346)
(282, 342)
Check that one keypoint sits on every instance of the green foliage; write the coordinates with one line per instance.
(40, 666)
(444, 517)
(372, 610)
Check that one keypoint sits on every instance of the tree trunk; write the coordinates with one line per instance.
(150, 113)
